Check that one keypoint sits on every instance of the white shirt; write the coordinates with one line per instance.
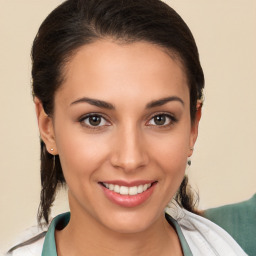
(203, 237)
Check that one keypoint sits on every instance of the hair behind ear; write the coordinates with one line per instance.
(51, 177)
(185, 197)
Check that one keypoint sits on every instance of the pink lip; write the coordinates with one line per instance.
(127, 200)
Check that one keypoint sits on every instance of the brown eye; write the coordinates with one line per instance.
(160, 119)
(94, 120)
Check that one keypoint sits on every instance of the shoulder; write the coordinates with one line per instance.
(239, 220)
(248, 206)
(243, 212)
(205, 237)
(42, 243)
(29, 244)
(34, 249)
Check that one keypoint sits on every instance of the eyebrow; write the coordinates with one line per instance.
(94, 102)
(107, 105)
(161, 102)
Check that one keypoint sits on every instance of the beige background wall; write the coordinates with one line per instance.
(224, 164)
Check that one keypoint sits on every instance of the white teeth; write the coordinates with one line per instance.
(106, 185)
(133, 191)
(140, 188)
(123, 190)
(116, 188)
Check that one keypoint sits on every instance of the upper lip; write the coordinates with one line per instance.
(128, 183)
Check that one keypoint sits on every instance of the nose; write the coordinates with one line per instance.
(129, 150)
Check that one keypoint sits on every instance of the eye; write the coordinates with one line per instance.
(94, 120)
(162, 120)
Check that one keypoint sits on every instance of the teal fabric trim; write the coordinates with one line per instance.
(184, 245)
(239, 220)
(59, 222)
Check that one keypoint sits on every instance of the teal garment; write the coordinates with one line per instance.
(239, 220)
(59, 222)
(184, 245)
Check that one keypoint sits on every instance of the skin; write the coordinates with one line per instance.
(128, 145)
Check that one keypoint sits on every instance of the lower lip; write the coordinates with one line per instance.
(127, 200)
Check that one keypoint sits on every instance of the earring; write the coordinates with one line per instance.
(188, 166)
(51, 149)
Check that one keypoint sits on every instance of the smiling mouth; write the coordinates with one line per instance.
(124, 190)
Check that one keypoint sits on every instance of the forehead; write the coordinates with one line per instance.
(106, 68)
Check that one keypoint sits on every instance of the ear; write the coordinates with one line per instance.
(45, 125)
(194, 128)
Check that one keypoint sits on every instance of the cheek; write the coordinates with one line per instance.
(172, 150)
(170, 156)
(80, 154)
(172, 161)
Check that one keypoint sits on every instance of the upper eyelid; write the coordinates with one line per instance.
(82, 117)
(162, 113)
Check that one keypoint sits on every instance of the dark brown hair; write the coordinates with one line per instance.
(79, 22)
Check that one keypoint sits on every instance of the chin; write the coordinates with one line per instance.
(131, 222)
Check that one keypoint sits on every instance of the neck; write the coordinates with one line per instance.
(84, 236)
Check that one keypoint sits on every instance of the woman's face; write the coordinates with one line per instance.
(123, 133)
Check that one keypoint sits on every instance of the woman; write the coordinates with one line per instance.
(118, 92)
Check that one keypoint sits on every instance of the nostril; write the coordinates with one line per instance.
(129, 164)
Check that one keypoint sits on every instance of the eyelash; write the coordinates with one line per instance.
(171, 118)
